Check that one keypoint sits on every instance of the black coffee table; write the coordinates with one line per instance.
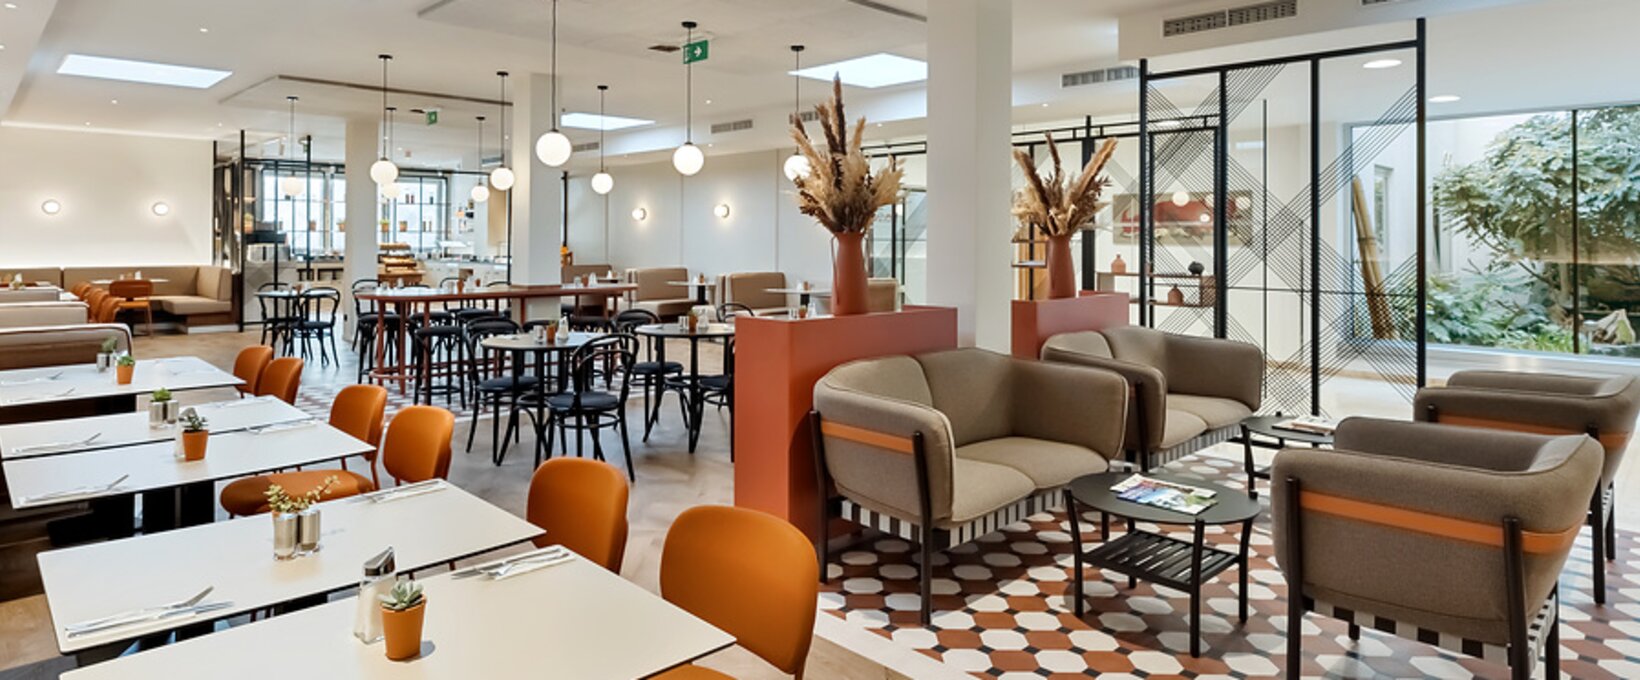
(1181, 565)
(1266, 426)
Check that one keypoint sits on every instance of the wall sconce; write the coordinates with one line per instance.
(639, 214)
(722, 211)
(161, 209)
(51, 207)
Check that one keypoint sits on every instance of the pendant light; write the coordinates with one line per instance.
(480, 192)
(688, 159)
(797, 165)
(392, 189)
(291, 186)
(384, 171)
(502, 178)
(553, 148)
(603, 182)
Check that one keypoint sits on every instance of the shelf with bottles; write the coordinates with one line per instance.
(1193, 288)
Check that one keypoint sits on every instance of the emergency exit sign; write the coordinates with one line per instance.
(695, 51)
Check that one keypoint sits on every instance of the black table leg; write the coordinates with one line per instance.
(1076, 552)
(1247, 462)
(1246, 537)
(697, 406)
(1196, 591)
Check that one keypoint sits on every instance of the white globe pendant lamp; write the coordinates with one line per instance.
(553, 148)
(797, 165)
(603, 182)
(391, 191)
(383, 171)
(502, 178)
(480, 193)
(688, 159)
(291, 186)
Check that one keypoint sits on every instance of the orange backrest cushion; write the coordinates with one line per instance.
(250, 364)
(281, 379)
(581, 503)
(417, 444)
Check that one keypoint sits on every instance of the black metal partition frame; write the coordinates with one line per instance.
(1370, 322)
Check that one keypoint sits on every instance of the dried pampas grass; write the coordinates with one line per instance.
(1057, 205)
(840, 191)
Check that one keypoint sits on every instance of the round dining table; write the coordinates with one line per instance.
(521, 344)
(689, 385)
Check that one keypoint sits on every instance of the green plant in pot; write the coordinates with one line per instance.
(162, 409)
(105, 357)
(194, 435)
(124, 368)
(403, 611)
(301, 508)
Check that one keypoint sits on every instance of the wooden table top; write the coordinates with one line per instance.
(494, 292)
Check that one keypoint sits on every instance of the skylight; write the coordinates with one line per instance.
(873, 70)
(593, 121)
(140, 71)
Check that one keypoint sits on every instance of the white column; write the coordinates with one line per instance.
(362, 149)
(970, 47)
(537, 197)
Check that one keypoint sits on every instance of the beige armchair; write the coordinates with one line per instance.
(751, 289)
(882, 294)
(1437, 533)
(656, 294)
(1602, 407)
(1189, 392)
(942, 448)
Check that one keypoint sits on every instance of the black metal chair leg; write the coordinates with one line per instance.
(626, 446)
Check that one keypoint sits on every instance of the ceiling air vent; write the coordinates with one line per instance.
(588, 146)
(809, 116)
(1098, 75)
(731, 126)
(1235, 16)
(1193, 24)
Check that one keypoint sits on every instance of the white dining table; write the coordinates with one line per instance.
(75, 435)
(573, 620)
(235, 558)
(55, 384)
(157, 465)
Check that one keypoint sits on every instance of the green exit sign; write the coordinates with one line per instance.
(695, 51)
(432, 116)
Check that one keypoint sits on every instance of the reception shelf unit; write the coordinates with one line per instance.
(1198, 289)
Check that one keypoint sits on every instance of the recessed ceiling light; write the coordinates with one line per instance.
(141, 71)
(1444, 99)
(1382, 63)
(2, 48)
(593, 121)
(873, 70)
(708, 101)
(114, 102)
(88, 123)
(11, 5)
(1044, 105)
(202, 29)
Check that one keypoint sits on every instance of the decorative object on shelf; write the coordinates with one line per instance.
(1195, 268)
(383, 171)
(797, 165)
(195, 435)
(292, 186)
(1118, 265)
(480, 192)
(841, 192)
(502, 177)
(162, 409)
(404, 608)
(552, 147)
(1059, 206)
(1175, 296)
(124, 367)
(603, 182)
(107, 355)
(378, 581)
(688, 159)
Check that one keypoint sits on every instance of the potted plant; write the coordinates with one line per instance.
(1058, 206)
(842, 193)
(296, 527)
(403, 610)
(105, 358)
(194, 435)
(125, 366)
(162, 409)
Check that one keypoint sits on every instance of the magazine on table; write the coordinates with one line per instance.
(1167, 495)
(1308, 425)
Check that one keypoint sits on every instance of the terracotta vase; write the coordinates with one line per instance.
(1118, 265)
(848, 275)
(122, 374)
(193, 445)
(401, 631)
(1061, 268)
(1175, 296)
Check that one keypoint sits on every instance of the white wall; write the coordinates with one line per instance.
(107, 184)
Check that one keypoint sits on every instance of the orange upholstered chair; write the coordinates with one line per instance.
(581, 503)
(281, 379)
(250, 364)
(358, 411)
(80, 289)
(107, 309)
(135, 295)
(416, 447)
(748, 573)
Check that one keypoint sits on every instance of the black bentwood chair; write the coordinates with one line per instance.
(585, 408)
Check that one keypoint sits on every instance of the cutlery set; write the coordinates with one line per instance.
(32, 448)
(518, 564)
(79, 491)
(191, 606)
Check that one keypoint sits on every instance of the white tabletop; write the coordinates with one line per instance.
(158, 466)
(525, 342)
(49, 437)
(693, 284)
(573, 620)
(818, 292)
(236, 559)
(48, 384)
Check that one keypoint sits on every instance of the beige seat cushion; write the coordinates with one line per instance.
(666, 309)
(22, 314)
(751, 289)
(184, 305)
(1182, 426)
(8, 296)
(1216, 412)
(1049, 464)
(979, 489)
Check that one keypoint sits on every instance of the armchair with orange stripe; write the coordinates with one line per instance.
(1437, 533)
(1603, 407)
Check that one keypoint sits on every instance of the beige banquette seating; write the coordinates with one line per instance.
(25, 314)
(1189, 392)
(198, 295)
(590, 307)
(942, 448)
(51, 276)
(33, 294)
(751, 289)
(31, 346)
(656, 293)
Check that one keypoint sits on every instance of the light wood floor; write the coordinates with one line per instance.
(669, 481)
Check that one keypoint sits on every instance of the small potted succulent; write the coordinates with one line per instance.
(162, 409)
(403, 610)
(105, 358)
(124, 367)
(296, 526)
(194, 435)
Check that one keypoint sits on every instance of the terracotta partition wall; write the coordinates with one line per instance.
(777, 362)
(1034, 321)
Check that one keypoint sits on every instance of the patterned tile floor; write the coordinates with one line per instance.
(1002, 609)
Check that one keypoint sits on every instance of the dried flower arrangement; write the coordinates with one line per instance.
(840, 190)
(1058, 206)
(281, 502)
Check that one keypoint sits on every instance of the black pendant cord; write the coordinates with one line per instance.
(503, 105)
(480, 142)
(797, 86)
(290, 138)
(688, 87)
(554, 92)
(603, 123)
(385, 58)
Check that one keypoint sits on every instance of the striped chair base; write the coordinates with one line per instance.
(1191, 446)
(1539, 634)
(943, 539)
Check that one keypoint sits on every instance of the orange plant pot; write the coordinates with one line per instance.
(193, 445)
(122, 374)
(402, 631)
